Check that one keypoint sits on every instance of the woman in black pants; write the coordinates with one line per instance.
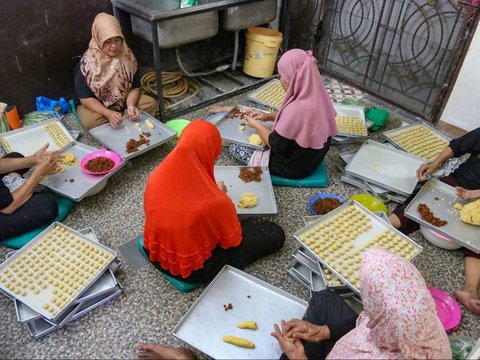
(21, 208)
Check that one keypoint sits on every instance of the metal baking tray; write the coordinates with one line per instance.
(441, 198)
(362, 184)
(270, 94)
(386, 167)
(432, 133)
(105, 283)
(316, 282)
(39, 271)
(330, 229)
(25, 313)
(295, 275)
(40, 327)
(206, 322)
(116, 138)
(343, 140)
(89, 233)
(349, 110)
(230, 129)
(312, 264)
(83, 184)
(94, 303)
(27, 140)
(263, 190)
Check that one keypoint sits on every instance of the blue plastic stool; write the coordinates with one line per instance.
(64, 207)
(319, 178)
(179, 285)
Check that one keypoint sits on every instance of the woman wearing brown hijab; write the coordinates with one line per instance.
(106, 79)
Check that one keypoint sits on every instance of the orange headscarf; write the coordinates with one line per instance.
(110, 79)
(186, 214)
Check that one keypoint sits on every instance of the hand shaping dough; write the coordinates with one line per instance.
(247, 200)
(470, 213)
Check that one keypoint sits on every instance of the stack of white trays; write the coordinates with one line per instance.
(103, 289)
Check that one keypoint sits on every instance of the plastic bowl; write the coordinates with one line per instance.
(370, 202)
(177, 125)
(447, 308)
(104, 153)
(322, 196)
(439, 240)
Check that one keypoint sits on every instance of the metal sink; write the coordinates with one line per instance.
(241, 17)
(178, 31)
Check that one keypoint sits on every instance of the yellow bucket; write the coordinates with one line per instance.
(261, 51)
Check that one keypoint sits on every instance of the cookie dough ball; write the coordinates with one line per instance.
(470, 213)
(247, 200)
(255, 139)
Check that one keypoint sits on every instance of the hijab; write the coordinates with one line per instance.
(186, 214)
(399, 319)
(307, 114)
(109, 78)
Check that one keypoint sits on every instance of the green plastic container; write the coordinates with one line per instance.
(177, 125)
(379, 117)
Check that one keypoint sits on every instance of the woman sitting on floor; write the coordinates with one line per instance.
(191, 226)
(107, 80)
(21, 208)
(303, 126)
(399, 320)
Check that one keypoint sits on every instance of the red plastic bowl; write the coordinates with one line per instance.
(448, 310)
(101, 153)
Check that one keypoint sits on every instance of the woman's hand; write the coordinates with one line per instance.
(292, 348)
(42, 153)
(260, 115)
(252, 122)
(219, 108)
(48, 165)
(426, 169)
(300, 329)
(114, 117)
(467, 194)
(133, 112)
(221, 186)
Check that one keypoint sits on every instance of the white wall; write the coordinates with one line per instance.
(463, 105)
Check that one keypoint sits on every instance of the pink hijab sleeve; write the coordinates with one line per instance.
(307, 114)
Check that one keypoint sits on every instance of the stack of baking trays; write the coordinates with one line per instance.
(382, 170)
(337, 241)
(59, 276)
(70, 180)
(270, 95)
(351, 124)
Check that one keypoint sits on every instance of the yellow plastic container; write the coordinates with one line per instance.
(261, 51)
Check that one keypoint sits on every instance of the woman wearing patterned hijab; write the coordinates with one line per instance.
(106, 79)
(399, 320)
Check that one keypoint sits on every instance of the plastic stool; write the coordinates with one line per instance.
(319, 178)
(179, 285)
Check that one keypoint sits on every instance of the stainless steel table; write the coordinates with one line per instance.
(154, 11)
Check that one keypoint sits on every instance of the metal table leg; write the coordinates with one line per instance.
(158, 70)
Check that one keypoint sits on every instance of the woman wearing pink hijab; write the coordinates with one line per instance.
(303, 126)
(399, 320)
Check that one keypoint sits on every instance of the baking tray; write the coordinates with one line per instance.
(341, 236)
(29, 139)
(206, 322)
(83, 184)
(46, 264)
(312, 264)
(116, 138)
(94, 303)
(40, 327)
(270, 95)
(316, 282)
(356, 111)
(230, 129)
(328, 278)
(362, 184)
(441, 198)
(104, 284)
(297, 276)
(25, 313)
(263, 190)
(421, 135)
(386, 167)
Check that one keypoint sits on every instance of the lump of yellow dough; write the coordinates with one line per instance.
(470, 213)
(458, 206)
(255, 139)
(247, 200)
(68, 158)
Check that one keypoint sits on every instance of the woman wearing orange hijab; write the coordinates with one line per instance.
(191, 226)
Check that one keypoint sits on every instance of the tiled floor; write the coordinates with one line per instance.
(150, 307)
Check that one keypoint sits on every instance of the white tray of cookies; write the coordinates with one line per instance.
(270, 95)
(53, 270)
(339, 239)
(350, 121)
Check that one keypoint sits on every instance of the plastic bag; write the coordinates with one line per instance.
(44, 103)
(36, 117)
(461, 346)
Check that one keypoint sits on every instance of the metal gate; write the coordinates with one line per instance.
(404, 51)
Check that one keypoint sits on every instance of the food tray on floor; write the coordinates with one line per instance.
(54, 269)
(441, 199)
(232, 130)
(350, 121)
(270, 95)
(250, 299)
(236, 187)
(386, 167)
(116, 139)
(420, 140)
(29, 139)
(72, 182)
(339, 238)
